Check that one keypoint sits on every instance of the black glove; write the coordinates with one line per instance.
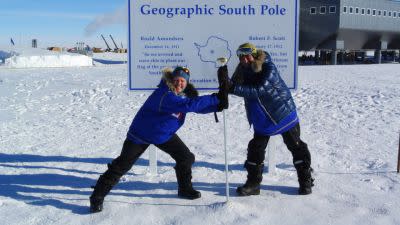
(223, 78)
(220, 107)
(223, 100)
(224, 85)
(222, 74)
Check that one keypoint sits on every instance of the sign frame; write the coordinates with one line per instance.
(131, 47)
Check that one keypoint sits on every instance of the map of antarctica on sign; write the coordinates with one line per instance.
(168, 33)
(215, 47)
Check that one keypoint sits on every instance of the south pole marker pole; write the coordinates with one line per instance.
(398, 157)
(222, 62)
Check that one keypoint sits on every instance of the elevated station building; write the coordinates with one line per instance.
(334, 28)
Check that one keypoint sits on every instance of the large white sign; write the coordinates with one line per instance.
(167, 33)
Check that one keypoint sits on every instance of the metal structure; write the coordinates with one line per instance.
(34, 43)
(116, 47)
(398, 157)
(336, 26)
(108, 47)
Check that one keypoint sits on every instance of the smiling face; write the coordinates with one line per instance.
(180, 84)
(246, 60)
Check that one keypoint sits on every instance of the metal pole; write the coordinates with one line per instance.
(226, 159)
(398, 157)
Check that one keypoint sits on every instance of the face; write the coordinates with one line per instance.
(179, 84)
(246, 60)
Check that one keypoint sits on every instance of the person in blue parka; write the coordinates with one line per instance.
(157, 122)
(271, 111)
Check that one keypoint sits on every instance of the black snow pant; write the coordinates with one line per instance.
(299, 149)
(129, 155)
(174, 147)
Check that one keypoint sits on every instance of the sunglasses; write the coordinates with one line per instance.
(244, 51)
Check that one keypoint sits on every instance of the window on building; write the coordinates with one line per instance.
(344, 9)
(394, 14)
(322, 9)
(374, 12)
(313, 10)
(362, 11)
(350, 10)
(384, 12)
(368, 11)
(379, 13)
(332, 9)
(357, 10)
(389, 13)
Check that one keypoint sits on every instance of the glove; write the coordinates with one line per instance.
(223, 79)
(223, 96)
(224, 86)
(222, 74)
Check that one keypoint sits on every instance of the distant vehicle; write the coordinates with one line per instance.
(55, 49)
(97, 50)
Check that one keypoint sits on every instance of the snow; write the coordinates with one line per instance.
(40, 58)
(59, 127)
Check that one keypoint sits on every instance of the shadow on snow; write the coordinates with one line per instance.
(50, 189)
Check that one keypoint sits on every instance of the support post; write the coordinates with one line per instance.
(334, 57)
(271, 149)
(153, 160)
(316, 57)
(399, 56)
(378, 56)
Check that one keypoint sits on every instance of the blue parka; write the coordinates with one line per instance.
(268, 101)
(164, 113)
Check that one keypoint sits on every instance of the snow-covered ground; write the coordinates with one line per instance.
(41, 58)
(59, 127)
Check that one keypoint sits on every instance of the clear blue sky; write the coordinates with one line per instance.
(58, 22)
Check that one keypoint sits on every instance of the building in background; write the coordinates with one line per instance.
(343, 31)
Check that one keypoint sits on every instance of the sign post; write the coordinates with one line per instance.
(272, 148)
(153, 160)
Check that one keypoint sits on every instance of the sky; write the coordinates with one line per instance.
(62, 22)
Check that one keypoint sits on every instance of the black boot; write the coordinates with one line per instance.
(306, 181)
(254, 178)
(96, 204)
(103, 186)
(185, 188)
(100, 191)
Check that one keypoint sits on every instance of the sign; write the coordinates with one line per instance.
(167, 33)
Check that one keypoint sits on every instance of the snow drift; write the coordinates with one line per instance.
(35, 58)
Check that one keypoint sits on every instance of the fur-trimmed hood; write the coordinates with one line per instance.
(168, 77)
(256, 66)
